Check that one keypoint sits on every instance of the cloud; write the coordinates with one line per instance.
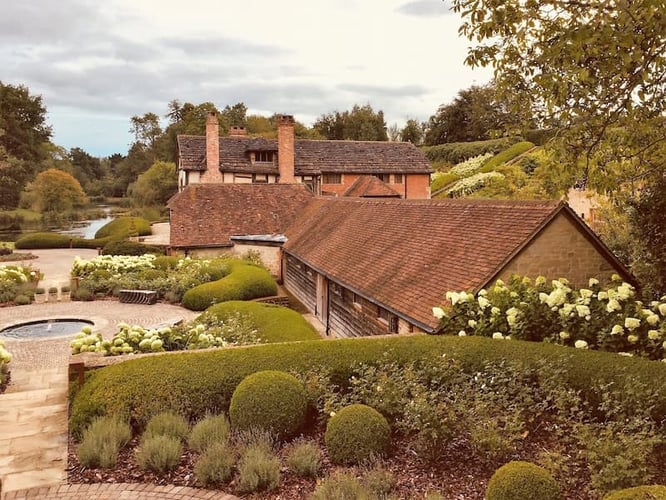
(385, 91)
(426, 8)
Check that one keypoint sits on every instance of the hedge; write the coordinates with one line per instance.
(440, 181)
(273, 323)
(126, 247)
(506, 155)
(123, 226)
(456, 152)
(193, 384)
(244, 282)
(653, 492)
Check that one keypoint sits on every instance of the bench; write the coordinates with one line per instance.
(138, 296)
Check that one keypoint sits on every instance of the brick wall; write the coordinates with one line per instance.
(212, 173)
(561, 250)
(418, 186)
(286, 148)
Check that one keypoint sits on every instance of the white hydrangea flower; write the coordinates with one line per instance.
(471, 323)
(564, 335)
(627, 354)
(580, 344)
(654, 334)
(462, 333)
(662, 309)
(652, 319)
(483, 302)
(498, 335)
(582, 311)
(602, 296)
(617, 330)
(438, 312)
(613, 305)
(632, 339)
(631, 323)
(593, 282)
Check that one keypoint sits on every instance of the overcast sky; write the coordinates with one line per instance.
(97, 63)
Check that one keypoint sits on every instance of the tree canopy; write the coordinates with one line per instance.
(362, 123)
(55, 191)
(156, 185)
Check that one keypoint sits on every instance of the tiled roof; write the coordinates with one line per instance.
(207, 215)
(310, 157)
(369, 186)
(405, 254)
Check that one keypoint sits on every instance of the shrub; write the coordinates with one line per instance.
(83, 294)
(341, 486)
(272, 323)
(159, 453)
(379, 481)
(506, 155)
(654, 492)
(123, 227)
(22, 300)
(456, 152)
(440, 180)
(304, 458)
(258, 469)
(522, 481)
(167, 424)
(125, 247)
(214, 429)
(215, 466)
(102, 441)
(56, 240)
(244, 282)
(356, 433)
(271, 400)
(53, 289)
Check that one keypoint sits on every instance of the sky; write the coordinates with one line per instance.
(98, 63)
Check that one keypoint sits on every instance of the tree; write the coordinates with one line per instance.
(156, 185)
(23, 121)
(362, 123)
(55, 191)
(476, 114)
(146, 129)
(412, 132)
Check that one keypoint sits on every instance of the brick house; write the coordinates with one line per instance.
(326, 167)
(375, 266)
(215, 219)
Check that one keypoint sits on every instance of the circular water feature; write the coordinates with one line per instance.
(46, 328)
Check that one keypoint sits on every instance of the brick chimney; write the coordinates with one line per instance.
(212, 173)
(285, 125)
(236, 131)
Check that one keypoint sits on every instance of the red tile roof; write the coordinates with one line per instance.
(310, 157)
(369, 186)
(207, 215)
(405, 254)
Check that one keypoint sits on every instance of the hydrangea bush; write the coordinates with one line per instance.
(605, 318)
(16, 281)
(471, 166)
(473, 183)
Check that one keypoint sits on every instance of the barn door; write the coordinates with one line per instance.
(322, 298)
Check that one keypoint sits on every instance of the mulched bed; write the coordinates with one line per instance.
(457, 475)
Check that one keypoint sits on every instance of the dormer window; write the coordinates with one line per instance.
(263, 156)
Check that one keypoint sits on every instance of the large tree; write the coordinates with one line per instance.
(156, 185)
(476, 114)
(55, 191)
(361, 123)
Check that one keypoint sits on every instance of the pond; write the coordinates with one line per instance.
(45, 328)
(79, 229)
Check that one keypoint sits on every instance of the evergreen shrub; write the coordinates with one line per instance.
(653, 492)
(522, 481)
(271, 400)
(357, 433)
(456, 152)
(506, 155)
(126, 247)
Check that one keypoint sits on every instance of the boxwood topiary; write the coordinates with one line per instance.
(522, 481)
(653, 492)
(271, 400)
(357, 433)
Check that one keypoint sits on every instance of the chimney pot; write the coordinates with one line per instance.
(286, 148)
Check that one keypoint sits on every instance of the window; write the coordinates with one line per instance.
(263, 156)
(356, 300)
(332, 179)
(397, 178)
(384, 177)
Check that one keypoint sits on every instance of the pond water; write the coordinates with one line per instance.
(80, 229)
(46, 328)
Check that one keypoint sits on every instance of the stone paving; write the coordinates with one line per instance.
(33, 409)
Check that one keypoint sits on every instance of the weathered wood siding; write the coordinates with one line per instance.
(300, 280)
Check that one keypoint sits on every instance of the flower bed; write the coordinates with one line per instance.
(17, 284)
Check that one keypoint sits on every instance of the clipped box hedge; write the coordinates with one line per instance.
(506, 155)
(194, 384)
(273, 323)
(124, 226)
(244, 282)
(456, 152)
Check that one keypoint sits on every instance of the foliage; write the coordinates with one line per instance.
(258, 469)
(123, 227)
(102, 441)
(17, 284)
(522, 481)
(167, 424)
(195, 384)
(341, 486)
(211, 430)
(304, 458)
(159, 453)
(441, 180)
(476, 114)
(357, 433)
(244, 282)
(362, 123)
(5, 359)
(271, 400)
(379, 481)
(468, 185)
(126, 247)
(471, 166)
(272, 323)
(413, 132)
(55, 191)
(156, 185)
(654, 492)
(507, 155)
(457, 152)
(609, 319)
(215, 465)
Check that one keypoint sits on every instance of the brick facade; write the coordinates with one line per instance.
(285, 125)
(212, 173)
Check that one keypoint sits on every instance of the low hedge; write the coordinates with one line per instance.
(57, 240)
(193, 384)
(456, 152)
(442, 180)
(126, 247)
(125, 226)
(244, 282)
(654, 492)
(506, 155)
(273, 323)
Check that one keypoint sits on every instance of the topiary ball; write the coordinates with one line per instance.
(271, 400)
(357, 433)
(522, 481)
(653, 492)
